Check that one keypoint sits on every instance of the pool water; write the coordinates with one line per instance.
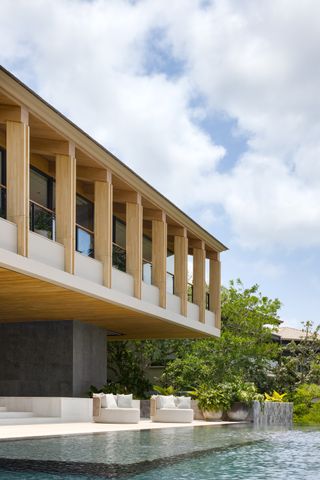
(199, 453)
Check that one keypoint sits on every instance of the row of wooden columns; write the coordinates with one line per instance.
(18, 165)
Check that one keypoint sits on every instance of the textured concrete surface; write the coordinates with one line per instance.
(273, 414)
(48, 430)
(51, 358)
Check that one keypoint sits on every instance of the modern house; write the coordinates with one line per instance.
(88, 251)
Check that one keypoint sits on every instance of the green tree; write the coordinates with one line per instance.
(244, 350)
(299, 362)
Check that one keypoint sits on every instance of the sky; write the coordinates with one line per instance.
(215, 103)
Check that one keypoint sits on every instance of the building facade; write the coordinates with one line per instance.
(88, 249)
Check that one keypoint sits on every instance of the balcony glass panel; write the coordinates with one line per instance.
(170, 283)
(42, 221)
(119, 257)
(190, 292)
(84, 241)
(39, 188)
(147, 272)
(119, 233)
(85, 216)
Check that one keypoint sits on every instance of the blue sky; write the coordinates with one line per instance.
(214, 103)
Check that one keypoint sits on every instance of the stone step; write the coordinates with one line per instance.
(6, 414)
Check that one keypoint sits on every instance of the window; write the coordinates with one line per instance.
(3, 182)
(84, 226)
(147, 260)
(119, 244)
(42, 217)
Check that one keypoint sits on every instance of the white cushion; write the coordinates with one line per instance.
(111, 401)
(103, 399)
(168, 402)
(124, 401)
(183, 402)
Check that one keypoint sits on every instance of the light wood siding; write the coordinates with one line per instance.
(159, 258)
(18, 159)
(199, 281)
(134, 219)
(65, 207)
(103, 228)
(181, 270)
(214, 289)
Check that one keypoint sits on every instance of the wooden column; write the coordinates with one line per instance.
(103, 227)
(134, 219)
(181, 268)
(215, 287)
(18, 160)
(199, 279)
(159, 258)
(66, 206)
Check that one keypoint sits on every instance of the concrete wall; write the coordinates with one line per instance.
(51, 358)
(272, 413)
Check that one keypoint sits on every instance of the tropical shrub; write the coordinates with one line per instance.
(212, 399)
(306, 406)
(164, 390)
(275, 397)
(244, 392)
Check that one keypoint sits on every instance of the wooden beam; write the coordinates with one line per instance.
(124, 196)
(66, 207)
(181, 271)
(89, 174)
(159, 259)
(196, 243)
(46, 146)
(18, 164)
(153, 214)
(177, 231)
(11, 113)
(215, 289)
(103, 228)
(134, 217)
(199, 281)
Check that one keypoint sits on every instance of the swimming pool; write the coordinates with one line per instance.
(199, 453)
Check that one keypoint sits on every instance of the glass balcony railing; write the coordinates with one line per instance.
(3, 201)
(42, 221)
(190, 292)
(170, 283)
(119, 257)
(147, 271)
(84, 241)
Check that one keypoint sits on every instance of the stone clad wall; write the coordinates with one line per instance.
(272, 414)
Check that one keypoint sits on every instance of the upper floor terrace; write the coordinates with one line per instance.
(83, 237)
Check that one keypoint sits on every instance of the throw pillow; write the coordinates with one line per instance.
(124, 401)
(184, 402)
(159, 400)
(111, 401)
(169, 402)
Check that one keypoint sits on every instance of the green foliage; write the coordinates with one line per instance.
(164, 390)
(213, 399)
(244, 350)
(306, 406)
(299, 362)
(128, 362)
(275, 397)
(245, 392)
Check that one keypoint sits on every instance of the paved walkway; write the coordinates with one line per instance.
(56, 429)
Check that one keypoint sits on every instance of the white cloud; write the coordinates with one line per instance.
(257, 62)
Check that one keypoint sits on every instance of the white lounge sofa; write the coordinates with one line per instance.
(106, 411)
(169, 409)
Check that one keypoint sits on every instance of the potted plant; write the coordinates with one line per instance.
(242, 395)
(212, 401)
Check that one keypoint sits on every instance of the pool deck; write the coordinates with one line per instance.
(8, 432)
